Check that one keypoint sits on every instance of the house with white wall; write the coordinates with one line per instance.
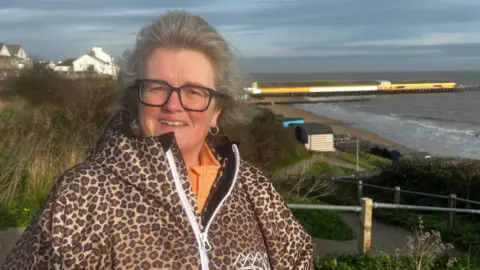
(4, 50)
(65, 66)
(315, 136)
(95, 61)
(13, 58)
(16, 51)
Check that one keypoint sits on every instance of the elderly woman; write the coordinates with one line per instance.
(157, 191)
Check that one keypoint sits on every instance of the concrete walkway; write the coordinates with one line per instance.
(8, 239)
(385, 238)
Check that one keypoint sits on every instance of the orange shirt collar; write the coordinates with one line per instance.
(206, 159)
(206, 156)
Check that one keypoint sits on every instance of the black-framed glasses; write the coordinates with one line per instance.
(192, 97)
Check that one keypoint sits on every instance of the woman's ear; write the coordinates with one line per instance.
(216, 114)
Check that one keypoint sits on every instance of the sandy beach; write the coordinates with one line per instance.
(337, 126)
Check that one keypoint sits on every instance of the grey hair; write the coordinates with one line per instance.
(179, 29)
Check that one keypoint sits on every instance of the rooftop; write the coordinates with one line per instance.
(315, 128)
(66, 63)
(13, 49)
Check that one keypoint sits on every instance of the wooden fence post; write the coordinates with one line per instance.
(452, 203)
(365, 237)
(359, 191)
(396, 196)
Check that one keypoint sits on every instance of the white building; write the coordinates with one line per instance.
(13, 58)
(65, 66)
(96, 61)
(315, 136)
(4, 52)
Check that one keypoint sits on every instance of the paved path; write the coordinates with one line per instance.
(8, 239)
(384, 237)
(387, 238)
(340, 163)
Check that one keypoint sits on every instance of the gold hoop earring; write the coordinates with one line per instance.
(216, 131)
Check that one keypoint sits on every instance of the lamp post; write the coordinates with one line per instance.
(358, 146)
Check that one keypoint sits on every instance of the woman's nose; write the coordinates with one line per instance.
(173, 103)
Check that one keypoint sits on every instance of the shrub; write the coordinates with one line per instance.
(465, 235)
(266, 143)
(321, 224)
(357, 262)
(377, 160)
(383, 261)
(424, 250)
(437, 175)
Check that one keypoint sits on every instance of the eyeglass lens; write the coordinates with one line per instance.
(191, 97)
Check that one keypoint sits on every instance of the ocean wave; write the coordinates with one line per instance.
(363, 106)
(445, 130)
(438, 137)
(437, 118)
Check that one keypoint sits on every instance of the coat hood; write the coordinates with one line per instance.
(142, 162)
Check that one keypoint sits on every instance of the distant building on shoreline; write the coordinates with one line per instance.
(96, 61)
(13, 58)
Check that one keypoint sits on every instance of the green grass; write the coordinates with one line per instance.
(376, 160)
(17, 214)
(366, 160)
(323, 168)
(321, 224)
(48, 135)
(351, 158)
(291, 160)
(33, 155)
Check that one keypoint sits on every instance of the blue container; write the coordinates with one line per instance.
(287, 122)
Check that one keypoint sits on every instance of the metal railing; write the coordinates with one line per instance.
(366, 210)
(397, 191)
(325, 207)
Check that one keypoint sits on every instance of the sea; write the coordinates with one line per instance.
(443, 123)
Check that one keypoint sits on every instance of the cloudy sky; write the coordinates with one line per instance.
(268, 35)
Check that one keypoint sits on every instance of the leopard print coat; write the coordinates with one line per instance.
(129, 205)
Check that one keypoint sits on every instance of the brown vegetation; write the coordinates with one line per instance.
(63, 117)
(265, 142)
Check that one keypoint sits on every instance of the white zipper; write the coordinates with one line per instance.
(202, 237)
(202, 240)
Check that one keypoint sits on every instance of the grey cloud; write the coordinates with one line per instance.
(358, 63)
(346, 13)
(104, 4)
(55, 28)
(425, 51)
